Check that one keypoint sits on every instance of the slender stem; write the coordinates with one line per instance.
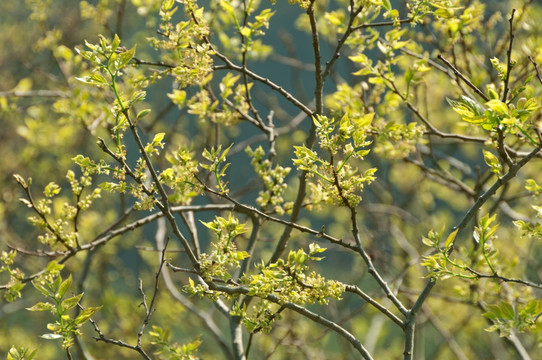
(447, 177)
(319, 79)
(231, 66)
(538, 76)
(462, 77)
(432, 129)
(164, 206)
(382, 23)
(412, 315)
(111, 233)
(205, 318)
(101, 337)
(356, 290)
(318, 93)
(58, 236)
(376, 275)
(150, 309)
(120, 16)
(509, 57)
(256, 226)
(303, 311)
(501, 149)
(360, 249)
(492, 190)
(479, 275)
(249, 209)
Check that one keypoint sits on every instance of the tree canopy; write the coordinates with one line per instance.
(258, 179)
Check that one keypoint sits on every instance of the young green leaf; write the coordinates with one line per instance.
(86, 314)
(450, 240)
(70, 303)
(64, 287)
(492, 161)
(41, 306)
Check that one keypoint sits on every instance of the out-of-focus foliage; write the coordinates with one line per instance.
(249, 179)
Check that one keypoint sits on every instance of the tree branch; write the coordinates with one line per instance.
(303, 311)
(509, 57)
(489, 192)
(462, 77)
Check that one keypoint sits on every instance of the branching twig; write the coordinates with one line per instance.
(489, 192)
(150, 309)
(206, 319)
(250, 209)
(382, 23)
(356, 290)
(538, 76)
(164, 207)
(503, 278)
(432, 129)
(318, 95)
(111, 233)
(101, 337)
(231, 66)
(137, 61)
(411, 319)
(31, 204)
(500, 140)
(349, 30)
(360, 249)
(509, 57)
(462, 77)
(446, 177)
(303, 311)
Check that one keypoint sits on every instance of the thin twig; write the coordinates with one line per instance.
(337, 52)
(101, 337)
(432, 129)
(303, 311)
(205, 318)
(500, 136)
(489, 192)
(356, 290)
(111, 233)
(462, 77)
(250, 209)
(120, 17)
(383, 23)
(137, 61)
(505, 279)
(360, 249)
(293, 124)
(446, 177)
(538, 76)
(509, 57)
(245, 48)
(58, 236)
(150, 309)
(318, 78)
(164, 206)
(411, 319)
(231, 66)
(311, 138)
(40, 253)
